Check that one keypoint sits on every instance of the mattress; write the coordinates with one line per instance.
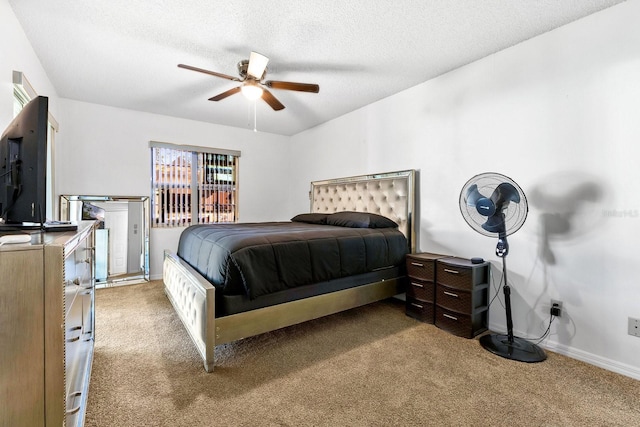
(258, 259)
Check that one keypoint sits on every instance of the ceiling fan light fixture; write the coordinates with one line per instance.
(251, 90)
(257, 65)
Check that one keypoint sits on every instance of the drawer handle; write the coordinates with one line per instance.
(417, 285)
(451, 294)
(77, 408)
(417, 305)
(451, 271)
(417, 264)
(449, 316)
(74, 339)
(75, 328)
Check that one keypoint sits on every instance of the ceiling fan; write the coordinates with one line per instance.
(252, 73)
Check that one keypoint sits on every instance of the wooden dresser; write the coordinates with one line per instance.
(462, 292)
(46, 328)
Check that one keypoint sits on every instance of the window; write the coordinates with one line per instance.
(20, 99)
(193, 185)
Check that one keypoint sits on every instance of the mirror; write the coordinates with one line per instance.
(122, 235)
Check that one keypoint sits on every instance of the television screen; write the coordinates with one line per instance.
(23, 163)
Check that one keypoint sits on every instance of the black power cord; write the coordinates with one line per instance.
(555, 311)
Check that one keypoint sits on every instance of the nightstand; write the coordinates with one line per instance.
(462, 293)
(420, 293)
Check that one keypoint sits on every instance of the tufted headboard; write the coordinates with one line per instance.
(390, 194)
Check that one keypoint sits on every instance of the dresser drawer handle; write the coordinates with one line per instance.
(74, 339)
(451, 271)
(417, 285)
(451, 294)
(417, 264)
(75, 328)
(417, 305)
(449, 316)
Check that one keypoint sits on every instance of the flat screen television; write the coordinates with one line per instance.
(23, 163)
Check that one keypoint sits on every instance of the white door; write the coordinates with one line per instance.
(116, 221)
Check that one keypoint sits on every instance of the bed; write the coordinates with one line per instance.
(231, 281)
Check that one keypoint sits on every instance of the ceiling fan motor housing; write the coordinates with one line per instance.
(243, 66)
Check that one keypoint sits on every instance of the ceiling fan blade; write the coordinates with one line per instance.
(257, 65)
(271, 100)
(300, 87)
(212, 73)
(223, 95)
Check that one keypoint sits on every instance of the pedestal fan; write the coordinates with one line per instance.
(495, 206)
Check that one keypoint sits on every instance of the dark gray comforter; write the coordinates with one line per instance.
(260, 258)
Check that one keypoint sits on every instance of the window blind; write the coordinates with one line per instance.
(193, 185)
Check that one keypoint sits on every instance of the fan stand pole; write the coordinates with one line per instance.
(508, 346)
(507, 300)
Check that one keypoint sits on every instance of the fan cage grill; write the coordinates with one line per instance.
(515, 213)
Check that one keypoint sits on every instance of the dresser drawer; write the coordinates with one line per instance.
(420, 310)
(420, 289)
(460, 273)
(463, 325)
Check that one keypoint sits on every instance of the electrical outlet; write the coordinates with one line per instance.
(634, 327)
(556, 308)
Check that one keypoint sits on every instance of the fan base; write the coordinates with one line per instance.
(519, 349)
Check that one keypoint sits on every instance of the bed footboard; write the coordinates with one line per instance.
(193, 298)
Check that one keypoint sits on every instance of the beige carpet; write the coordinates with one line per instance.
(371, 366)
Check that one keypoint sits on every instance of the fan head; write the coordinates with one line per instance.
(493, 204)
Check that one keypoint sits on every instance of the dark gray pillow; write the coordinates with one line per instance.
(360, 220)
(311, 218)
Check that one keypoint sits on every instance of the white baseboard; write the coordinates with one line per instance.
(583, 356)
(593, 359)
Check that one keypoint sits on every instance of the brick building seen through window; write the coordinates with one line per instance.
(193, 185)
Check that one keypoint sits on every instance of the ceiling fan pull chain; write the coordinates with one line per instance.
(255, 126)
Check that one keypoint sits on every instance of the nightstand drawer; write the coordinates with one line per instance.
(420, 310)
(454, 299)
(421, 290)
(460, 273)
(420, 269)
(422, 265)
(459, 324)
(462, 301)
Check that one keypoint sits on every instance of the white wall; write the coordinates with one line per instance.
(16, 54)
(559, 115)
(105, 151)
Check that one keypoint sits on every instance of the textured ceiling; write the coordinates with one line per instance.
(124, 53)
